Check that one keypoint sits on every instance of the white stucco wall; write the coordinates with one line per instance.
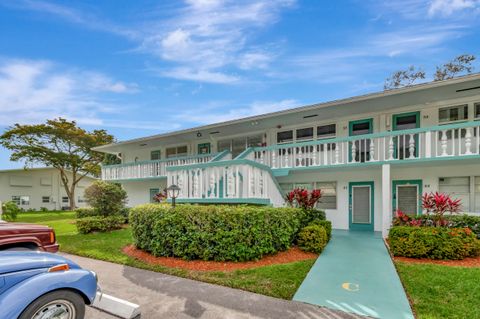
(37, 183)
(139, 191)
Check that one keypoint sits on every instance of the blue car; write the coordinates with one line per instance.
(37, 285)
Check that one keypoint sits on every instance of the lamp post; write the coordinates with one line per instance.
(173, 191)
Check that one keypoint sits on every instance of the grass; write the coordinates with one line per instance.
(438, 291)
(280, 281)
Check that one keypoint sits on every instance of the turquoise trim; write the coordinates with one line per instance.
(352, 123)
(355, 226)
(286, 171)
(228, 163)
(244, 154)
(220, 155)
(200, 146)
(254, 201)
(417, 182)
(394, 128)
(373, 135)
(350, 131)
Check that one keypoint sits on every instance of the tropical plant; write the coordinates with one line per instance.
(438, 204)
(302, 198)
(160, 197)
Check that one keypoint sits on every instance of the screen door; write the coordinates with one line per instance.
(361, 205)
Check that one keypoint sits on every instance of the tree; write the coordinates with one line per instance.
(462, 64)
(9, 211)
(404, 78)
(61, 144)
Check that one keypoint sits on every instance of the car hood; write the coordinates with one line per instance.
(19, 261)
(22, 226)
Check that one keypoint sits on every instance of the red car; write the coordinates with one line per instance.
(18, 236)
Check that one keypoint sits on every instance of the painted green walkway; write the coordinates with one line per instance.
(355, 274)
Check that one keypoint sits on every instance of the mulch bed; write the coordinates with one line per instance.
(467, 262)
(292, 255)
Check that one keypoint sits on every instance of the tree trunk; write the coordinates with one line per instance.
(72, 197)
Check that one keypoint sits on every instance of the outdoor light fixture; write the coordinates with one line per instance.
(173, 191)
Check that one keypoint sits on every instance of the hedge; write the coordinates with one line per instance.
(325, 224)
(98, 223)
(312, 238)
(91, 212)
(214, 232)
(433, 242)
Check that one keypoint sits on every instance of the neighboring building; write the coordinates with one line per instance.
(35, 188)
(370, 155)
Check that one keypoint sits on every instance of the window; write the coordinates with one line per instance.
(477, 194)
(326, 131)
(477, 110)
(65, 199)
(329, 192)
(155, 155)
(177, 151)
(458, 188)
(305, 134)
(285, 136)
(80, 200)
(238, 144)
(453, 113)
(46, 199)
(21, 200)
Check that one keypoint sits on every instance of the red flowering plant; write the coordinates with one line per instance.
(160, 197)
(401, 219)
(302, 198)
(438, 204)
(306, 200)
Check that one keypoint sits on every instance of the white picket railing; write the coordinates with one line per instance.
(447, 141)
(149, 169)
(236, 179)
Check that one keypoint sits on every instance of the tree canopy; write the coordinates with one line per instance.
(61, 144)
(460, 65)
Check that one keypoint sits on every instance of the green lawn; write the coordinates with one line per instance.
(279, 281)
(442, 291)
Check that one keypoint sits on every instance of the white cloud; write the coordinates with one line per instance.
(448, 7)
(33, 91)
(207, 37)
(215, 112)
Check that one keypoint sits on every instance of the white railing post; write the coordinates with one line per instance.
(444, 143)
(468, 141)
(372, 150)
(391, 149)
(411, 146)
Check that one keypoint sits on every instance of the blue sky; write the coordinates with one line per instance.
(138, 68)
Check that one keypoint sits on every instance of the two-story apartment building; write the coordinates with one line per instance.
(370, 155)
(36, 188)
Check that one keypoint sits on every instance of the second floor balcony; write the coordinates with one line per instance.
(454, 141)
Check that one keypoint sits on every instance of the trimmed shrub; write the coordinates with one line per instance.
(433, 242)
(325, 224)
(106, 198)
(98, 223)
(214, 232)
(85, 212)
(312, 238)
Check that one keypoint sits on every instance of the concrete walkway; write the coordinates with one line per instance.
(164, 296)
(356, 274)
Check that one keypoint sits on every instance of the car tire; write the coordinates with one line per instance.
(56, 302)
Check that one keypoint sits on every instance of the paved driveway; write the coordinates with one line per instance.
(356, 274)
(164, 296)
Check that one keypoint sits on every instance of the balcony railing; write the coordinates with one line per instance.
(446, 141)
(238, 180)
(150, 169)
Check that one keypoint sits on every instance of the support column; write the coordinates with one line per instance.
(386, 200)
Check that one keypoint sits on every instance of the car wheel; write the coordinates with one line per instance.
(60, 304)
